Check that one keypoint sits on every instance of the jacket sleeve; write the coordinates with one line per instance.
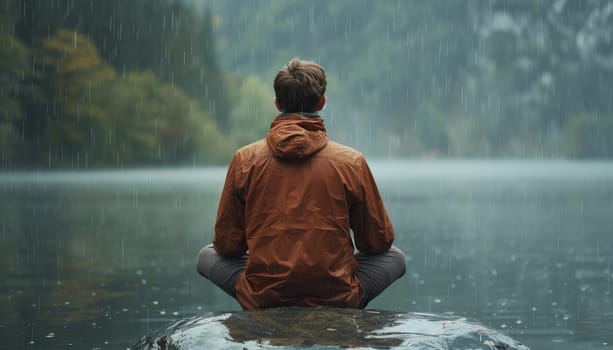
(229, 239)
(373, 232)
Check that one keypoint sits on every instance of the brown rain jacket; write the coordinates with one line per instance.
(290, 201)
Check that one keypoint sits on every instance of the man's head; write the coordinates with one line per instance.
(300, 86)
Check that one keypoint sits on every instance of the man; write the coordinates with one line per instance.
(282, 236)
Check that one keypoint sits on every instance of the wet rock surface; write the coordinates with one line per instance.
(327, 328)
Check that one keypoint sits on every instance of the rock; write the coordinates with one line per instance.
(328, 328)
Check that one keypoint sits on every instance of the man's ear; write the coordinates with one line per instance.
(278, 105)
(321, 104)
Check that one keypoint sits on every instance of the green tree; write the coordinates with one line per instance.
(68, 68)
(189, 60)
(64, 105)
(252, 110)
(14, 66)
(153, 123)
(102, 119)
(163, 36)
(590, 136)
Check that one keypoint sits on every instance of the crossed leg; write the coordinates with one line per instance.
(375, 271)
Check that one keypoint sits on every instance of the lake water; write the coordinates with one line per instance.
(98, 259)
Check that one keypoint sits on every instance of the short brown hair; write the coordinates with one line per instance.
(300, 85)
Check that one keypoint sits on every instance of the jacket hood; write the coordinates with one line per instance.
(296, 136)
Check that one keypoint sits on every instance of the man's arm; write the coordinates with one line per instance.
(230, 240)
(373, 232)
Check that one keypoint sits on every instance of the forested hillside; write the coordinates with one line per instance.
(109, 84)
(112, 83)
(486, 78)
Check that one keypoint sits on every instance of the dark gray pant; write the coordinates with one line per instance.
(375, 271)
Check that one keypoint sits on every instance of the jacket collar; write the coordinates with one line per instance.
(296, 136)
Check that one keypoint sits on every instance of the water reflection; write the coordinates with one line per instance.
(327, 328)
(87, 254)
(530, 255)
(97, 259)
(307, 327)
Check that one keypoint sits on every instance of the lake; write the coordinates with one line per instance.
(96, 259)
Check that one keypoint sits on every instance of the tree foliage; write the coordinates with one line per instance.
(109, 83)
(435, 78)
(14, 64)
(512, 74)
(590, 136)
(68, 67)
(152, 123)
(252, 109)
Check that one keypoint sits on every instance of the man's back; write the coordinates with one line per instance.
(300, 195)
(287, 209)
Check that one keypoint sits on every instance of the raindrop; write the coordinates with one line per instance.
(122, 248)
